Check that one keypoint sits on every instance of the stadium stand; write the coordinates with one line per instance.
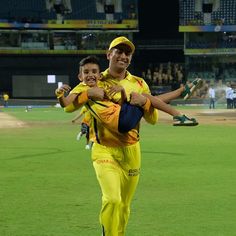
(37, 12)
(210, 42)
(223, 13)
(33, 42)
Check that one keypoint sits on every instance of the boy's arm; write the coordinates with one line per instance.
(77, 95)
(60, 93)
(150, 113)
(78, 102)
(83, 97)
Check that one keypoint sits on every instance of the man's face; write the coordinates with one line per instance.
(90, 74)
(120, 56)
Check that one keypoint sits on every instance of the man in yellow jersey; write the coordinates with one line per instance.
(117, 159)
(116, 156)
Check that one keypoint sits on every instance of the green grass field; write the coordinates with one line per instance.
(48, 186)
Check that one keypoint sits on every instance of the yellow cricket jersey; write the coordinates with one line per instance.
(5, 97)
(87, 116)
(131, 83)
(106, 112)
(81, 89)
(83, 110)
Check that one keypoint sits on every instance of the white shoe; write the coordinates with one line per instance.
(79, 136)
(87, 147)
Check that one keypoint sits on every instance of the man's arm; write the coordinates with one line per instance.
(150, 113)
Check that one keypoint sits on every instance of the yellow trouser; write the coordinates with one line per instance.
(117, 170)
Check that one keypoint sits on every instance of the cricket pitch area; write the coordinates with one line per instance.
(7, 121)
(203, 116)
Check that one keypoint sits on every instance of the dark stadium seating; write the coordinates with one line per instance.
(31, 10)
(225, 14)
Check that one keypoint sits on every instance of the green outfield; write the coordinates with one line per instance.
(48, 186)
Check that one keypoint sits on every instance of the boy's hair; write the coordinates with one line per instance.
(89, 59)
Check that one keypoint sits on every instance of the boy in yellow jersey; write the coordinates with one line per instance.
(116, 156)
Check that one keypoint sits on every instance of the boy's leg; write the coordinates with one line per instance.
(87, 138)
(129, 117)
(115, 117)
(83, 131)
(87, 135)
(105, 112)
(178, 118)
(184, 91)
(161, 105)
(167, 97)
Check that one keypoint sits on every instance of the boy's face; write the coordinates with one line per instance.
(90, 74)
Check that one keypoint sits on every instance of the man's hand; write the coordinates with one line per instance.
(61, 90)
(115, 89)
(96, 93)
(137, 99)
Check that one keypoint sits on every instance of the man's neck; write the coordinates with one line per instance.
(119, 75)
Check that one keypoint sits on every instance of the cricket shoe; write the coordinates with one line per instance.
(79, 136)
(188, 92)
(183, 120)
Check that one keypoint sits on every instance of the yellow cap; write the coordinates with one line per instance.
(122, 40)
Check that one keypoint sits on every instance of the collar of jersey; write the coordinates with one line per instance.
(106, 75)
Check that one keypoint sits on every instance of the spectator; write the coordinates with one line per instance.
(212, 96)
(5, 99)
(234, 98)
(61, 7)
(229, 96)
